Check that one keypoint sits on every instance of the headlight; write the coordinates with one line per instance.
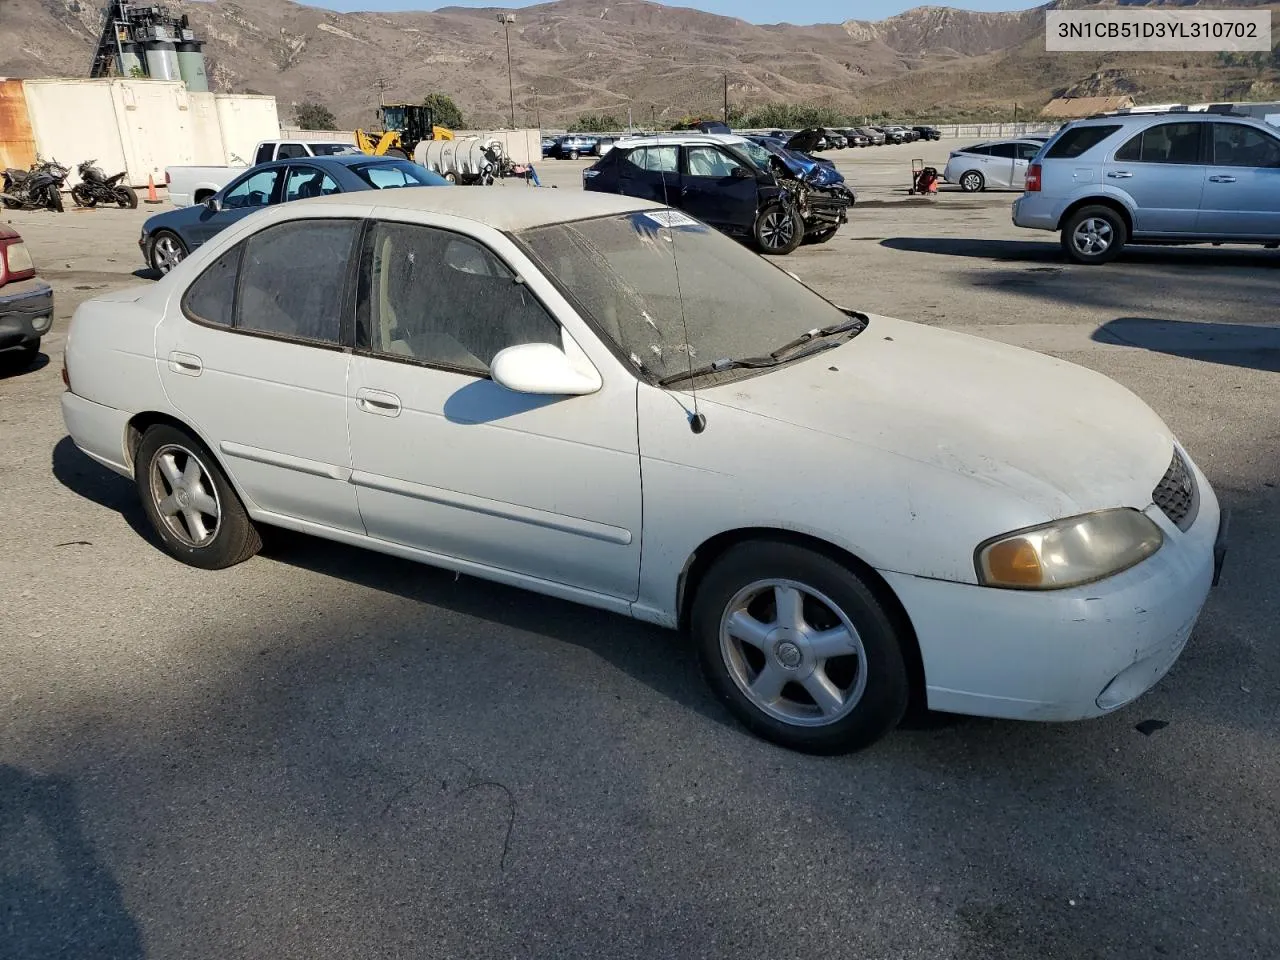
(1067, 553)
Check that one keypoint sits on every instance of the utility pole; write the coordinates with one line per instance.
(726, 99)
(507, 19)
(537, 111)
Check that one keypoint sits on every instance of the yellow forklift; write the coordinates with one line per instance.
(404, 126)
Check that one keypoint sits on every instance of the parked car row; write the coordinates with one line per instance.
(841, 138)
(575, 145)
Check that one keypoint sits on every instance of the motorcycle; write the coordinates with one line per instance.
(39, 187)
(96, 187)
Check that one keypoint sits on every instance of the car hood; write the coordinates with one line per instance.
(1059, 436)
(806, 141)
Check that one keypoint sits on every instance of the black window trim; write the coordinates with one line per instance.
(1211, 149)
(362, 334)
(346, 318)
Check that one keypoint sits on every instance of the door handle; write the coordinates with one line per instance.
(1119, 174)
(378, 402)
(1219, 178)
(187, 364)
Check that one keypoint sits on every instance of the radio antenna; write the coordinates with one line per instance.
(697, 422)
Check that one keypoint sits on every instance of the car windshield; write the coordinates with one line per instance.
(755, 153)
(629, 272)
(389, 174)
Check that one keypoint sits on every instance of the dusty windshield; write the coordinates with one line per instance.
(628, 272)
(756, 153)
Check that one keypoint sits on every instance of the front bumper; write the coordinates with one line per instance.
(26, 313)
(1069, 654)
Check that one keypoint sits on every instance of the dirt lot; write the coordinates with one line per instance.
(325, 753)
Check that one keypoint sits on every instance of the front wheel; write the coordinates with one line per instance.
(799, 649)
(778, 230)
(190, 503)
(972, 182)
(127, 198)
(82, 197)
(1094, 235)
(167, 251)
(54, 202)
(821, 236)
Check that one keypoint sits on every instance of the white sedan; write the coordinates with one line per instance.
(603, 400)
(998, 165)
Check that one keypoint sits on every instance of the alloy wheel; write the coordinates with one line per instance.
(779, 229)
(167, 253)
(1092, 236)
(185, 497)
(793, 653)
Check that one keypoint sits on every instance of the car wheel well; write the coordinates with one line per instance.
(203, 195)
(1107, 202)
(708, 553)
(143, 422)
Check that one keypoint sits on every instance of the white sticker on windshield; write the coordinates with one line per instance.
(671, 218)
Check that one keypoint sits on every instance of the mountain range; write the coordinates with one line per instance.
(659, 62)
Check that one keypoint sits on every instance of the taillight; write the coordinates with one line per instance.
(1033, 178)
(66, 377)
(15, 261)
(167, 180)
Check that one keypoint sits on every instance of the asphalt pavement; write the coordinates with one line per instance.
(328, 753)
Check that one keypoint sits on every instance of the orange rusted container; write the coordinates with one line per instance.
(17, 141)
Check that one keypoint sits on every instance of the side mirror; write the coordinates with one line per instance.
(543, 369)
(741, 173)
(211, 204)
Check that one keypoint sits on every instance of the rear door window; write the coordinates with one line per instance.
(1006, 150)
(1235, 145)
(1078, 141)
(307, 182)
(980, 149)
(211, 298)
(1164, 143)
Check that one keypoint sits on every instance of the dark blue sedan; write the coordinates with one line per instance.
(168, 238)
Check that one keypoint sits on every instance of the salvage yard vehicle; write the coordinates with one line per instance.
(96, 187)
(603, 400)
(39, 188)
(168, 238)
(26, 303)
(1155, 178)
(728, 182)
(995, 165)
(404, 127)
(188, 185)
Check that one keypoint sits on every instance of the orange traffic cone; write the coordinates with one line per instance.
(152, 196)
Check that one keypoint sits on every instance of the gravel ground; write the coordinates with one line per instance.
(327, 753)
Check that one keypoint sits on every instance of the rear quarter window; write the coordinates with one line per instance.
(1078, 141)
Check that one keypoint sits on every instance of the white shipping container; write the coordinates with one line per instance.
(75, 120)
(156, 127)
(206, 131)
(246, 121)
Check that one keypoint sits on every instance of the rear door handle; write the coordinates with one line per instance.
(1119, 174)
(1219, 178)
(378, 402)
(187, 364)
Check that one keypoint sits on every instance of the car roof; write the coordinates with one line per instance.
(503, 209)
(340, 159)
(1171, 116)
(672, 139)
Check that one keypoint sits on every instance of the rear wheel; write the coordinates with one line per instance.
(167, 251)
(573, 154)
(1094, 235)
(799, 649)
(190, 503)
(127, 197)
(971, 181)
(778, 230)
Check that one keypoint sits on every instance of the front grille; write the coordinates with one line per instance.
(1176, 493)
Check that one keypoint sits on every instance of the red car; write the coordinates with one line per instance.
(26, 304)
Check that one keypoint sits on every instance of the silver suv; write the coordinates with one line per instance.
(1155, 178)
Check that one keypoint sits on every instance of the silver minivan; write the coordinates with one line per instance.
(1154, 178)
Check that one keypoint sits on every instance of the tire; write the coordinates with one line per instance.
(127, 198)
(82, 197)
(191, 505)
(1094, 235)
(971, 181)
(573, 154)
(821, 236)
(166, 251)
(778, 230)
(451, 177)
(744, 645)
(15, 361)
(55, 201)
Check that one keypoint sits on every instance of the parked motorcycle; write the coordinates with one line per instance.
(96, 187)
(34, 189)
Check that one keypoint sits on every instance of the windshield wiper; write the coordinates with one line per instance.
(857, 323)
(745, 363)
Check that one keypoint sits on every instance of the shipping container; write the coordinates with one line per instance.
(17, 141)
(245, 122)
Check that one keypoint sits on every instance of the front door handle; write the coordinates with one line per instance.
(378, 402)
(187, 364)
(1220, 178)
(1119, 174)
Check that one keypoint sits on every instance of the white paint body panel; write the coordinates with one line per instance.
(907, 447)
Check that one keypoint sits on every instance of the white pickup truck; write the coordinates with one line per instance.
(189, 186)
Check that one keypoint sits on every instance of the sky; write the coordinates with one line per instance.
(758, 11)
